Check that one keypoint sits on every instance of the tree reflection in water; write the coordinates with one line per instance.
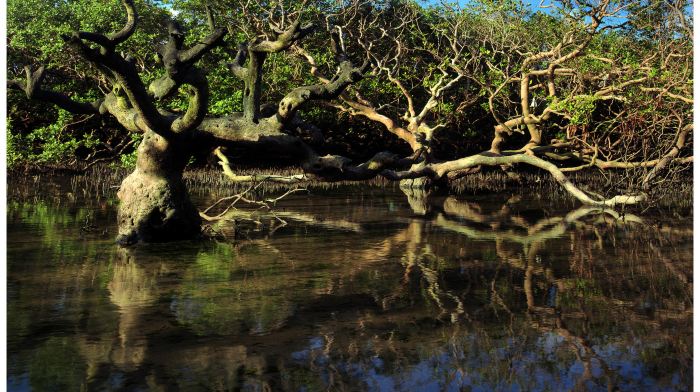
(358, 293)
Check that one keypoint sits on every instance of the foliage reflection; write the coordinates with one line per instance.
(397, 293)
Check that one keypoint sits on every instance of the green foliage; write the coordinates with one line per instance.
(206, 306)
(57, 366)
(35, 27)
(37, 132)
(47, 144)
(128, 161)
(579, 107)
(496, 36)
(14, 148)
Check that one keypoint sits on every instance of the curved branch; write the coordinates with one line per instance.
(108, 43)
(195, 53)
(127, 78)
(252, 74)
(238, 65)
(362, 107)
(346, 75)
(670, 155)
(665, 92)
(198, 102)
(439, 170)
(179, 63)
(130, 26)
(228, 172)
(32, 88)
(358, 108)
(286, 39)
(436, 92)
(210, 17)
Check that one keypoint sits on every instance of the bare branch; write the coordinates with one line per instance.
(286, 39)
(438, 170)
(346, 75)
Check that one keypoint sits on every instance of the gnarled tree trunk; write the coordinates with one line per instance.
(154, 204)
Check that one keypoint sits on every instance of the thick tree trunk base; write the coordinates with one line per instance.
(155, 209)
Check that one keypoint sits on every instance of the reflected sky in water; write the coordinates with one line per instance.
(362, 289)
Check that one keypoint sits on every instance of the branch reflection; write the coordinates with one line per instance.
(446, 292)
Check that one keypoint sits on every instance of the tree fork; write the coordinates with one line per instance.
(154, 202)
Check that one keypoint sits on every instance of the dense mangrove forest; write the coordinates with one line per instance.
(349, 195)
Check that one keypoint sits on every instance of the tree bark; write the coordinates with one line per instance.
(253, 86)
(154, 203)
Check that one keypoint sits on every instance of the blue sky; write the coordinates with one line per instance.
(534, 5)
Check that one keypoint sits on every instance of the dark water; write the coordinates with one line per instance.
(362, 289)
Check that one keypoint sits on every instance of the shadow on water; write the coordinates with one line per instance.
(364, 288)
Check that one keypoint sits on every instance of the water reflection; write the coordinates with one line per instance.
(378, 290)
(132, 290)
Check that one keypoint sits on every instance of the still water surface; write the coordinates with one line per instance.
(363, 289)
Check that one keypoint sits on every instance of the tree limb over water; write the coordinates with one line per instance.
(565, 88)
